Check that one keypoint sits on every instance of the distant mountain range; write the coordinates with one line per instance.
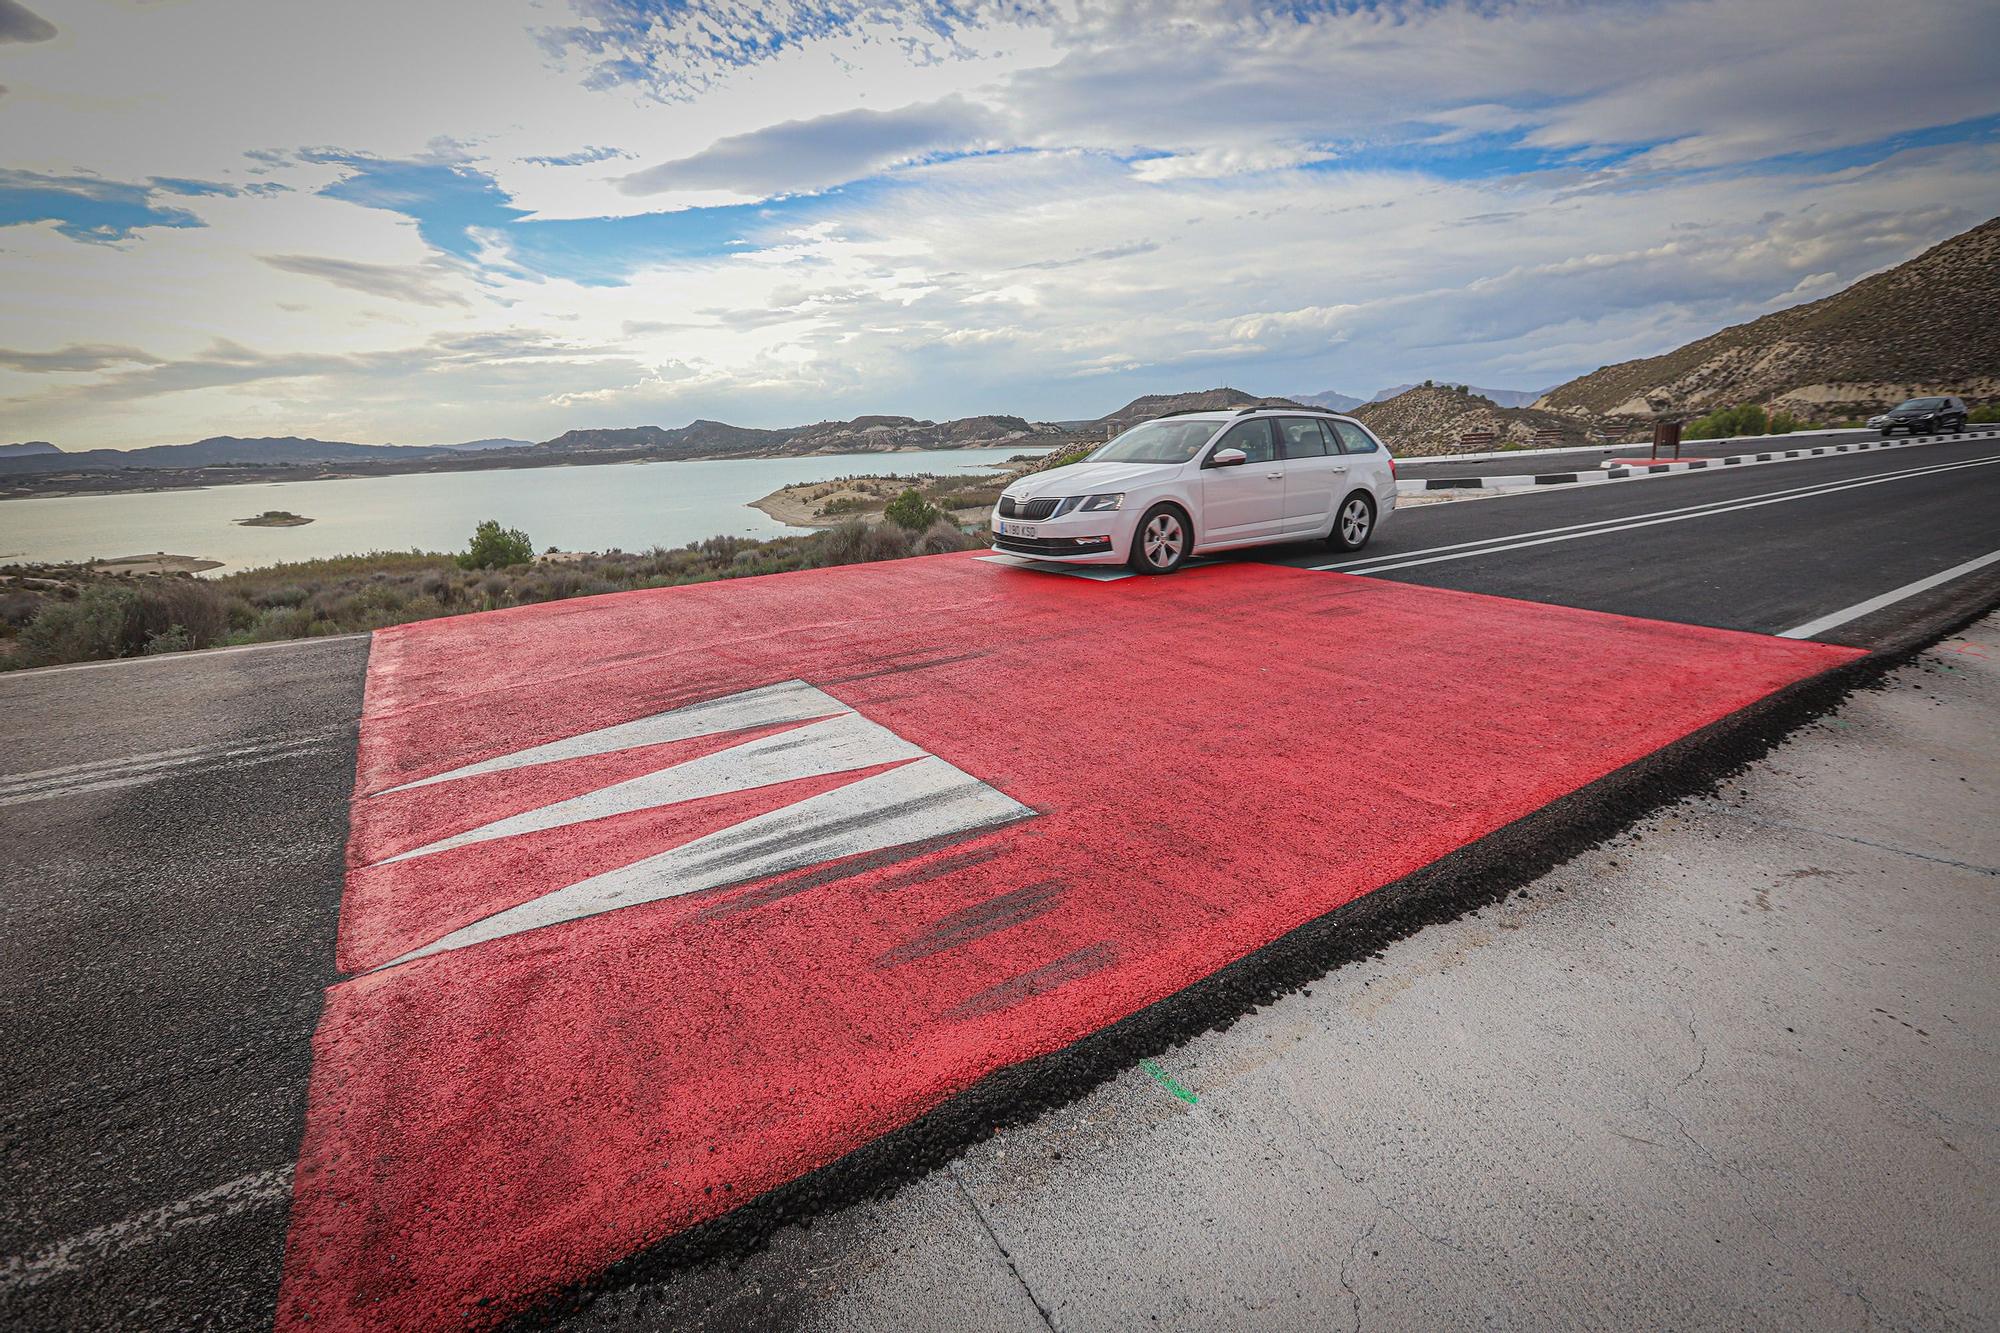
(698, 439)
(1924, 326)
(1332, 399)
(481, 446)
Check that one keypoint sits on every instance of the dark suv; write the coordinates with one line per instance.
(1922, 416)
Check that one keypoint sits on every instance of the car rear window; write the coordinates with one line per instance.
(1353, 439)
(1300, 437)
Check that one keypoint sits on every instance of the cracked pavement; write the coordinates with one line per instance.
(1734, 1067)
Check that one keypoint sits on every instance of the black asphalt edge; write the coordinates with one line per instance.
(1474, 877)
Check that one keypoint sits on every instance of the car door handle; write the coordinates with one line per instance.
(1340, 467)
(1274, 476)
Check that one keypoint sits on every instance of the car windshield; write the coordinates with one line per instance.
(1917, 403)
(1157, 442)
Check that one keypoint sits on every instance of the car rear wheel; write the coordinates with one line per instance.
(1353, 524)
(1161, 542)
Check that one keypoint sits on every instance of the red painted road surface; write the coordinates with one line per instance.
(599, 1038)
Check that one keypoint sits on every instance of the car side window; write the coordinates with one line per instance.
(1332, 440)
(1253, 438)
(1299, 437)
(1354, 439)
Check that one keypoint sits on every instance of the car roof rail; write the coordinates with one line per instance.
(1288, 407)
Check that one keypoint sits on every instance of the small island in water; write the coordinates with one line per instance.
(274, 518)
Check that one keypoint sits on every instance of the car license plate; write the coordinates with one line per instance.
(1017, 529)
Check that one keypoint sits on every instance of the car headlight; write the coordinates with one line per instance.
(1097, 504)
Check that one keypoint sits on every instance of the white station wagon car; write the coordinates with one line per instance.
(1196, 482)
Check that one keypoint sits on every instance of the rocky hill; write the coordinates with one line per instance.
(1925, 326)
(869, 434)
(1437, 419)
(25, 450)
(1501, 397)
(1159, 404)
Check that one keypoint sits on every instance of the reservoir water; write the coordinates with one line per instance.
(627, 506)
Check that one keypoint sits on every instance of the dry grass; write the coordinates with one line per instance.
(68, 613)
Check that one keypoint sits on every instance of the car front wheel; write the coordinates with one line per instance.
(1353, 525)
(1161, 543)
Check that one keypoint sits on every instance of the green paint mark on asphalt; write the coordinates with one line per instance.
(1165, 1080)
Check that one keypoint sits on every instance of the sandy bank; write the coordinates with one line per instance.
(157, 563)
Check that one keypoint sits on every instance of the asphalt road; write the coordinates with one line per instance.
(1764, 549)
(175, 831)
(174, 834)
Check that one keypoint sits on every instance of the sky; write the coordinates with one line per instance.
(418, 223)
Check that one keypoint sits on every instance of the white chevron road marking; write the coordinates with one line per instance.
(923, 797)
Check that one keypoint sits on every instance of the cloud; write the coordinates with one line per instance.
(75, 357)
(582, 157)
(677, 50)
(18, 23)
(396, 282)
(804, 155)
(789, 212)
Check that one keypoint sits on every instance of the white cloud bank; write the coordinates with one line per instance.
(1023, 212)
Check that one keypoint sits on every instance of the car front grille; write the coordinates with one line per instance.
(1028, 509)
(1050, 545)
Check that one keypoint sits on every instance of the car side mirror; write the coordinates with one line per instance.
(1228, 458)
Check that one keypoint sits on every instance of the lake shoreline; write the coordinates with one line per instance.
(571, 508)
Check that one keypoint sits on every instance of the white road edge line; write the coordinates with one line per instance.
(1835, 619)
(1705, 505)
(195, 656)
(1395, 564)
(95, 1246)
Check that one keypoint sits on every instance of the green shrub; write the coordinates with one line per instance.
(1784, 423)
(1748, 419)
(125, 620)
(175, 639)
(911, 512)
(90, 628)
(193, 607)
(18, 608)
(495, 547)
(840, 546)
(941, 537)
(1985, 412)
